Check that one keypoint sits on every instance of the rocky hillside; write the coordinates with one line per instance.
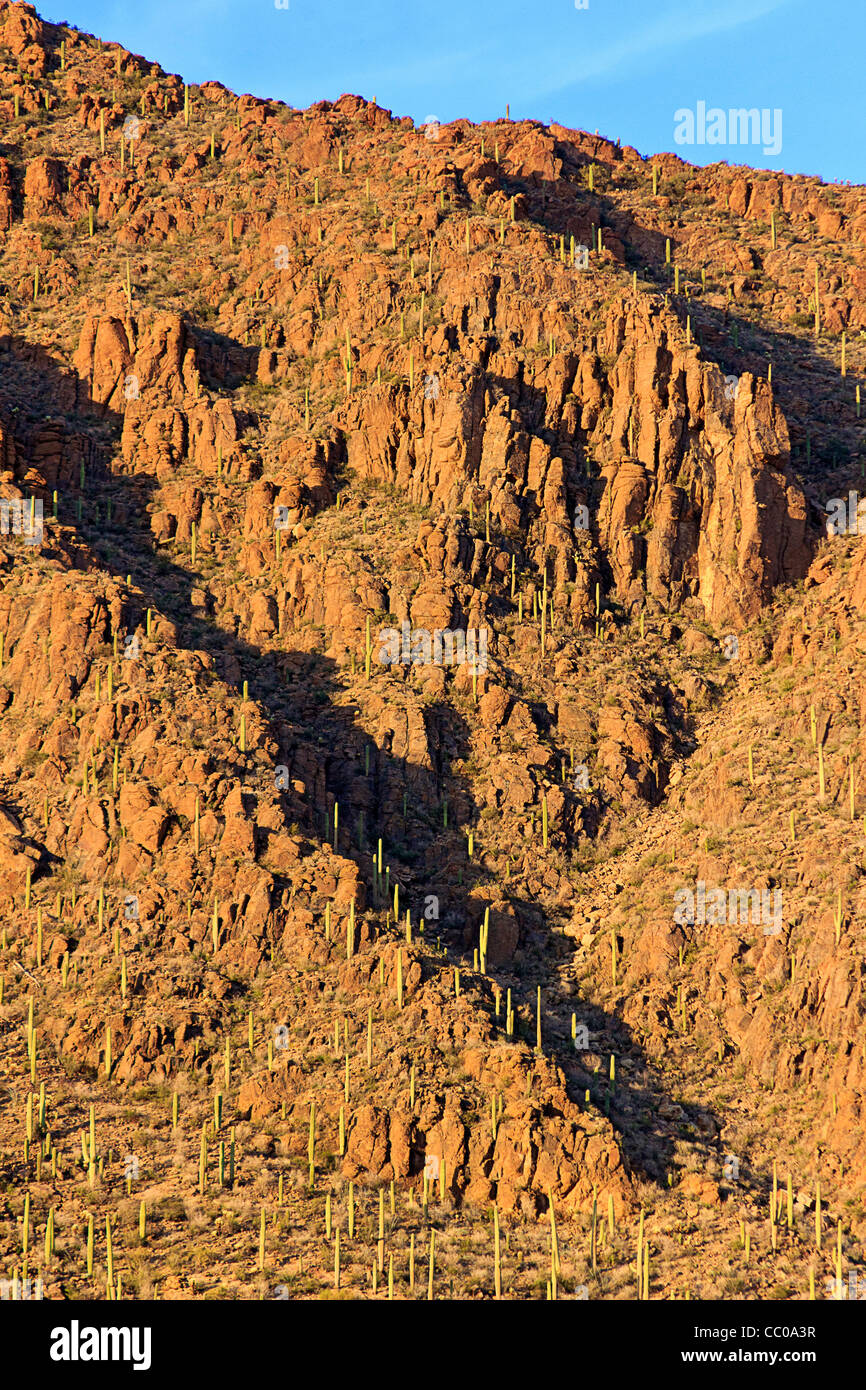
(308, 928)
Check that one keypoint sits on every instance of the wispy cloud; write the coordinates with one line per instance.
(665, 33)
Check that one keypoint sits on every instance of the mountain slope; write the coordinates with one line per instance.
(284, 382)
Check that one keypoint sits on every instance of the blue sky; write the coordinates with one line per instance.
(624, 67)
